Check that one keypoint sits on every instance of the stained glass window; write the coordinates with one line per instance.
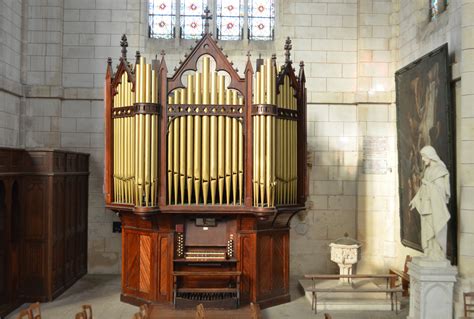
(261, 16)
(191, 18)
(230, 19)
(437, 7)
(161, 18)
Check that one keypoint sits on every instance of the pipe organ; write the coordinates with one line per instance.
(205, 168)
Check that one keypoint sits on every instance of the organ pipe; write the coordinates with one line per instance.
(205, 137)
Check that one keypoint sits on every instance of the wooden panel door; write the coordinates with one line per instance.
(137, 272)
(34, 231)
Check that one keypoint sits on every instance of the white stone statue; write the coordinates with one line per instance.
(431, 203)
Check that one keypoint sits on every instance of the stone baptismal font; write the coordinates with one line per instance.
(345, 252)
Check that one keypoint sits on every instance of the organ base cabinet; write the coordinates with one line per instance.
(43, 224)
(205, 169)
(153, 249)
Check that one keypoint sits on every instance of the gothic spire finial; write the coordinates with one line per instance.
(206, 17)
(288, 48)
(162, 53)
(124, 45)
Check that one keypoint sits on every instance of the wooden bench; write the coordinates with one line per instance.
(198, 290)
(468, 304)
(404, 277)
(392, 291)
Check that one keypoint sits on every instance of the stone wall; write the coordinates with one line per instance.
(346, 46)
(351, 50)
(417, 37)
(465, 131)
(10, 66)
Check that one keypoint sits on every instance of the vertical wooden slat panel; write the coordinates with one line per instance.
(265, 278)
(164, 267)
(278, 262)
(145, 263)
(131, 259)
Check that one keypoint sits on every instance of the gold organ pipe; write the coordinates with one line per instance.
(170, 154)
(143, 79)
(154, 156)
(115, 154)
(221, 139)
(176, 154)
(228, 149)
(257, 141)
(189, 141)
(213, 140)
(128, 138)
(268, 81)
(147, 163)
(154, 141)
(132, 159)
(235, 151)
(197, 140)
(146, 133)
(136, 120)
(182, 148)
(263, 139)
(205, 131)
(154, 90)
(141, 181)
(241, 156)
(267, 131)
(263, 77)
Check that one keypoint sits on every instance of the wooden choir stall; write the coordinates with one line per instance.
(43, 224)
(205, 169)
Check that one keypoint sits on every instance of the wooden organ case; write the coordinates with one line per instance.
(205, 169)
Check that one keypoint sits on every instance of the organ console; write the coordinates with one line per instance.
(205, 169)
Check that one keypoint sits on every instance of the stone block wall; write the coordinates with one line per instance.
(465, 131)
(346, 48)
(10, 71)
(51, 96)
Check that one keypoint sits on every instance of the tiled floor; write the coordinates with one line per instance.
(103, 293)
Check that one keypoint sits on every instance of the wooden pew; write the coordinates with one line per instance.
(392, 291)
(404, 277)
(468, 304)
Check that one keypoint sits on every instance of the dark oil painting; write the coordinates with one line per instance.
(425, 116)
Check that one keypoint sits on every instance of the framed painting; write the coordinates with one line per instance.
(425, 116)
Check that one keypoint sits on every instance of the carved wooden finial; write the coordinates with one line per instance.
(162, 53)
(301, 75)
(137, 57)
(206, 17)
(248, 55)
(124, 45)
(109, 61)
(288, 48)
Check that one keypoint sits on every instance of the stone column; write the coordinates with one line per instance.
(431, 288)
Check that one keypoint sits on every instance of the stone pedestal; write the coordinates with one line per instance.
(431, 288)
